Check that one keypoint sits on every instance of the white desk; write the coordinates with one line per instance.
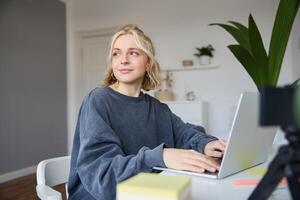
(204, 188)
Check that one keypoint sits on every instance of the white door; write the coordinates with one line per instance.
(94, 53)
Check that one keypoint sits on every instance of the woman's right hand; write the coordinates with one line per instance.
(189, 160)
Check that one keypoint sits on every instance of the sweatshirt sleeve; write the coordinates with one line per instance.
(101, 163)
(189, 136)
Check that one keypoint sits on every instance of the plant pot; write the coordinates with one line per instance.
(204, 60)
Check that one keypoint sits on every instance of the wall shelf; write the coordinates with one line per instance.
(181, 68)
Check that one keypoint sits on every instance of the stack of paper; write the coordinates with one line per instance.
(146, 186)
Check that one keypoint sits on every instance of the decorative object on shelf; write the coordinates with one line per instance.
(190, 96)
(164, 95)
(187, 63)
(205, 54)
(263, 68)
(165, 92)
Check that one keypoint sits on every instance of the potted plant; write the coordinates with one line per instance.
(205, 54)
(264, 68)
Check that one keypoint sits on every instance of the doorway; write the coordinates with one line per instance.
(94, 53)
(85, 70)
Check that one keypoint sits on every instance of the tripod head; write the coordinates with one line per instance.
(293, 136)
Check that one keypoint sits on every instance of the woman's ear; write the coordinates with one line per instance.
(148, 67)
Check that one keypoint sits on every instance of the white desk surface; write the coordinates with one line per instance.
(205, 188)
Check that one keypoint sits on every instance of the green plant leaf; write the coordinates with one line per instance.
(205, 51)
(263, 68)
(240, 26)
(248, 62)
(259, 52)
(239, 35)
(284, 20)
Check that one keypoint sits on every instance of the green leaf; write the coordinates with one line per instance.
(284, 20)
(239, 35)
(259, 52)
(248, 62)
(262, 67)
(240, 26)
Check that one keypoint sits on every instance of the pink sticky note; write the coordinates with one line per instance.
(252, 181)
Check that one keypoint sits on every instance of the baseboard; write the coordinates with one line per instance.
(17, 174)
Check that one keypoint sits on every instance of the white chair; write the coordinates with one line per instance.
(49, 173)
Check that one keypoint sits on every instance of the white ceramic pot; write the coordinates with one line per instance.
(204, 60)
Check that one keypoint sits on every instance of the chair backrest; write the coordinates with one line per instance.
(51, 172)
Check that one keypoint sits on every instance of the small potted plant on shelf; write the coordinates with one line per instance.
(205, 54)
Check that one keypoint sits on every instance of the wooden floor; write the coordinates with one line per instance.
(23, 189)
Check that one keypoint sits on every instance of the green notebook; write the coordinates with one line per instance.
(146, 186)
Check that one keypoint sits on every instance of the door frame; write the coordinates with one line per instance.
(74, 71)
(90, 34)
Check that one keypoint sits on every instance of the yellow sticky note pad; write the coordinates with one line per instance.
(259, 171)
(154, 186)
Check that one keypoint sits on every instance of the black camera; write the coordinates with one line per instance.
(280, 106)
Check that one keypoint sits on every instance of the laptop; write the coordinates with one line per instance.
(248, 144)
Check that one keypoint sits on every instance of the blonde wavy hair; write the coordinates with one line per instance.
(151, 78)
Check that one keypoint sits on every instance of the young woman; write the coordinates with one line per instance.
(122, 131)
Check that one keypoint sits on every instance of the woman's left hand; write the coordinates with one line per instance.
(215, 148)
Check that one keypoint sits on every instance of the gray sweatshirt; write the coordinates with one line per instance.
(118, 136)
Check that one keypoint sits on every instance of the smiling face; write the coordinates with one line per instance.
(128, 61)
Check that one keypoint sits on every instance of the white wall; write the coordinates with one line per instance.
(176, 28)
(32, 85)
